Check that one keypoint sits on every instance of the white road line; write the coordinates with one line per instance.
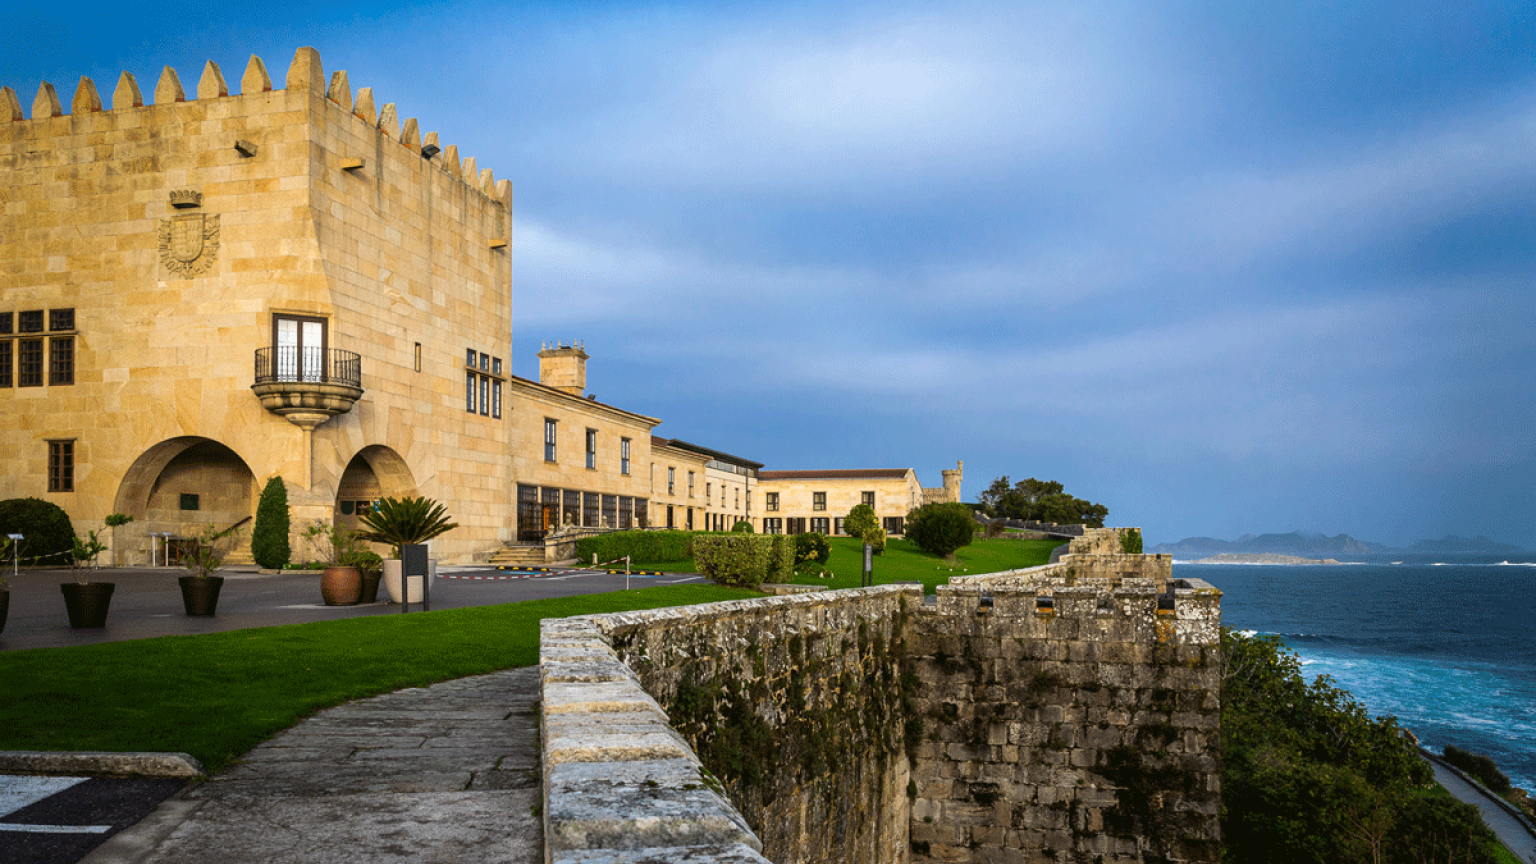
(56, 829)
(19, 791)
(684, 579)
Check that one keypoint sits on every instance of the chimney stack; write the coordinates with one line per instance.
(564, 368)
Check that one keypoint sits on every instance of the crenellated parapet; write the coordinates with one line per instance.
(305, 73)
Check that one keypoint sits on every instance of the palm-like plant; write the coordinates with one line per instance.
(405, 520)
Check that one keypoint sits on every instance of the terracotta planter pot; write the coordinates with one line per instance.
(370, 586)
(341, 586)
(392, 567)
(87, 604)
(200, 595)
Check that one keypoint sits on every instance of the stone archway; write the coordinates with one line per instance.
(183, 486)
(375, 472)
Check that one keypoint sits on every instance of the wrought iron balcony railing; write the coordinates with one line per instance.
(290, 364)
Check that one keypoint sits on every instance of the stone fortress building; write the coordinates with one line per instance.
(203, 289)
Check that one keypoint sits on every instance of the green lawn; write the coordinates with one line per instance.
(217, 695)
(904, 562)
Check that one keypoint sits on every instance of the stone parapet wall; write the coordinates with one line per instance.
(796, 704)
(1066, 721)
(1038, 715)
(619, 783)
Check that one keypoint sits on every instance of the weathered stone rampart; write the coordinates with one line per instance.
(1030, 716)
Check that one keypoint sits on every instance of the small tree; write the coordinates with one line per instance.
(269, 536)
(742, 526)
(941, 528)
(862, 523)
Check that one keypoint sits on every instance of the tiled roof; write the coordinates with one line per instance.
(836, 474)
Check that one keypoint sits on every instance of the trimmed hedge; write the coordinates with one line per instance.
(639, 545)
(744, 560)
(48, 535)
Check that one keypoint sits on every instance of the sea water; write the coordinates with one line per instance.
(1446, 643)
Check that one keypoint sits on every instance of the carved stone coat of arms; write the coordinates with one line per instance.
(189, 243)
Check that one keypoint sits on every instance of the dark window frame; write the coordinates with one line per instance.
(550, 439)
(818, 501)
(61, 361)
(61, 465)
(27, 323)
(623, 455)
(7, 362)
(591, 448)
(29, 362)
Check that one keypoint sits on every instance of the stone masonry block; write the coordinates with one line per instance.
(639, 805)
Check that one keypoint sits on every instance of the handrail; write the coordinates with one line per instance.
(291, 364)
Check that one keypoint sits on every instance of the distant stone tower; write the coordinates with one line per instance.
(564, 367)
(952, 482)
(949, 493)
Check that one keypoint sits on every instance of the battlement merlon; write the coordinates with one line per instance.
(304, 74)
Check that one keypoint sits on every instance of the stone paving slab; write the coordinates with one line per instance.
(445, 773)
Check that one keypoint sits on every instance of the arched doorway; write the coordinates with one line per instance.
(183, 487)
(375, 472)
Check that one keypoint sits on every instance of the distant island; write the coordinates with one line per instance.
(1261, 558)
(1452, 543)
(1321, 546)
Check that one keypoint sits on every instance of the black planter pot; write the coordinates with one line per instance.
(200, 594)
(87, 604)
(371, 586)
(5, 607)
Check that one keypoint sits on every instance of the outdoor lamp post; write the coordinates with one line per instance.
(15, 553)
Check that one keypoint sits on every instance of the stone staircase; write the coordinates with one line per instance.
(513, 555)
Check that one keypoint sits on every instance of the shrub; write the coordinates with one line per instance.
(48, 537)
(736, 560)
(941, 528)
(639, 545)
(1484, 769)
(812, 548)
(742, 526)
(269, 536)
(781, 562)
(1130, 541)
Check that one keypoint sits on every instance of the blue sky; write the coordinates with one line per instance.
(1224, 268)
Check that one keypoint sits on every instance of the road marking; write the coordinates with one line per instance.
(55, 829)
(17, 792)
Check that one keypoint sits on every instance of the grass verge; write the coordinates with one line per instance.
(217, 695)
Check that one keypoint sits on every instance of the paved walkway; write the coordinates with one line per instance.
(444, 773)
(1511, 831)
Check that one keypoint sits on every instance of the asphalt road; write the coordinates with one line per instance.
(147, 602)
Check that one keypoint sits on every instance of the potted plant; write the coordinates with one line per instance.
(398, 522)
(340, 582)
(371, 568)
(86, 602)
(200, 591)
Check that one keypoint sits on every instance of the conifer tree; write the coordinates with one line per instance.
(269, 537)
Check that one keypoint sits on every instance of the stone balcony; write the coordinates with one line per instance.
(307, 386)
